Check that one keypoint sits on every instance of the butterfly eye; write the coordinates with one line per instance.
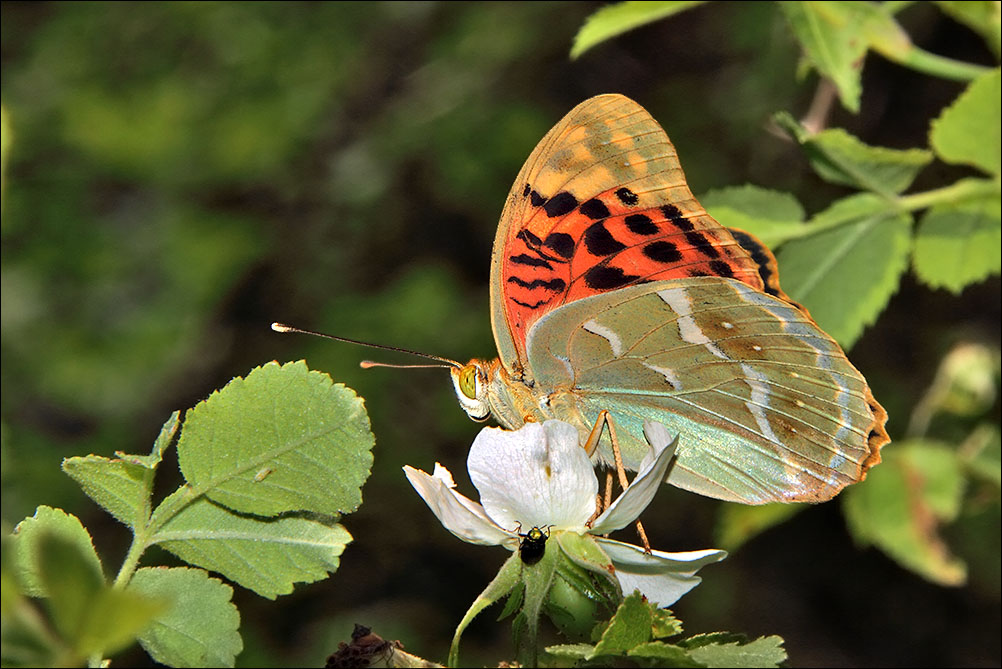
(468, 381)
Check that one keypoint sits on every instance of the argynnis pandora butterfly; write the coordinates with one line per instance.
(612, 289)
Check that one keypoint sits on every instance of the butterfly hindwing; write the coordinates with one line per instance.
(768, 406)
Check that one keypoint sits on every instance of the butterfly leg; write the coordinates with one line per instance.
(592, 444)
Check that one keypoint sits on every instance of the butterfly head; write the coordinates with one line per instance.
(470, 382)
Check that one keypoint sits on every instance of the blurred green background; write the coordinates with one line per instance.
(181, 175)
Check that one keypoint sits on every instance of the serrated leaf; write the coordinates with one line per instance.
(28, 554)
(283, 439)
(830, 34)
(630, 626)
(840, 158)
(968, 131)
(983, 17)
(700, 640)
(738, 523)
(266, 555)
(772, 216)
(664, 624)
(918, 486)
(959, 243)
(199, 628)
(762, 652)
(668, 655)
(120, 487)
(571, 651)
(846, 274)
(618, 18)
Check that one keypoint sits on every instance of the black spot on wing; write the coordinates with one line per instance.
(594, 209)
(627, 196)
(529, 305)
(671, 212)
(663, 252)
(720, 268)
(600, 241)
(560, 204)
(536, 199)
(639, 224)
(702, 244)
(561, 243)
(758, 254)
(526, 190)
(531, 261)
(554, 285)
(603, 277)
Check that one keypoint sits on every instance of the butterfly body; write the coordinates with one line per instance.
(612, 289)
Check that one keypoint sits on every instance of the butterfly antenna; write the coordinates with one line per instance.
(366, 364)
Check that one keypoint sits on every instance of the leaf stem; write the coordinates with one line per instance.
(933, 64)
(965, 189)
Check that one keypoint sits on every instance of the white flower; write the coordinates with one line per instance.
(540, 476)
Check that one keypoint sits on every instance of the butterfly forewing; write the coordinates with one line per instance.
(601, 204)
(767, 405)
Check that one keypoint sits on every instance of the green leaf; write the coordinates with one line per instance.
(571, 651)
(160, 446)
(66, 572)
(959, 243)
(199, 628)
(121, 487)
(668, 655)
(664, 624)
(618, 18)
(918, 486)
(846, 274)
(738, 523)
(982, 16)
(265, 555)
(772, 216)
(841, 158)
(283, 439)
(631, 626)
(28, 553)
(765, 651)
(967, 132)
(113, 620)
(831, 35)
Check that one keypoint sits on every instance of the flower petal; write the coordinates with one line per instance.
(537, 475)
(632, 502)
(662, 577)
(460, 515)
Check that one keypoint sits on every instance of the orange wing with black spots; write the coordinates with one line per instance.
(602, 204)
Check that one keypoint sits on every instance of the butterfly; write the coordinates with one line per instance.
(612, 289)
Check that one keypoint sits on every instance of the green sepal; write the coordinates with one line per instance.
(507, 578)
